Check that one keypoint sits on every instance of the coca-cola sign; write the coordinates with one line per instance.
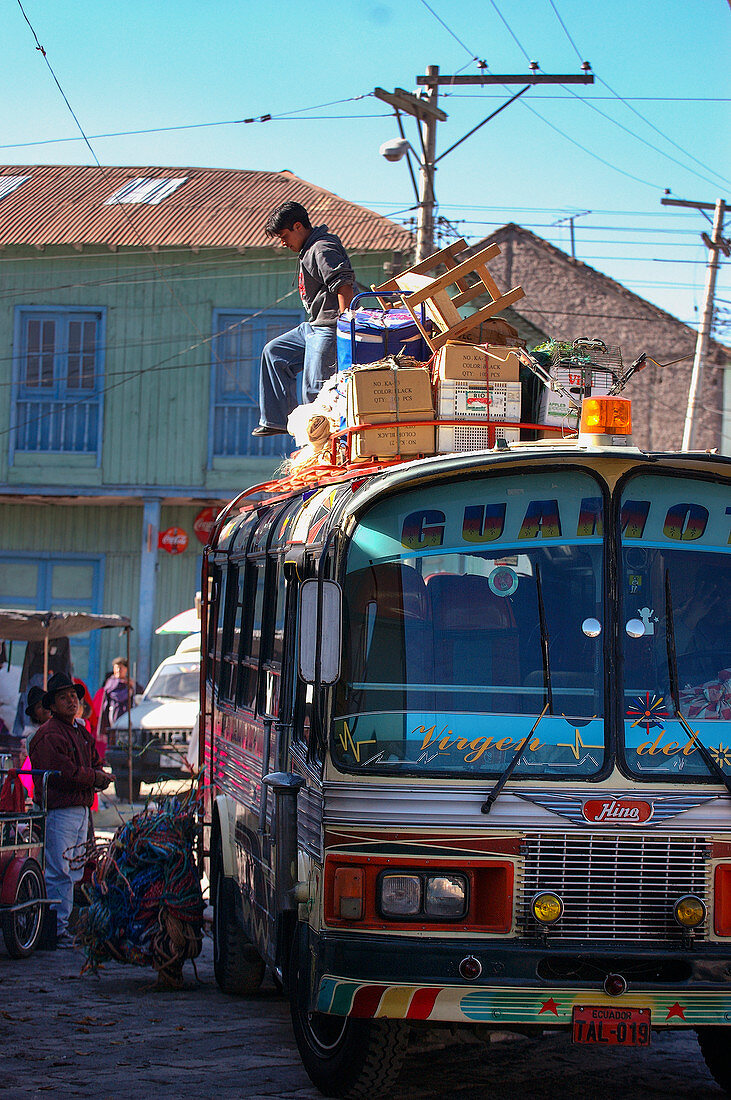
(174, 540)
(617, 811)
(203, 525)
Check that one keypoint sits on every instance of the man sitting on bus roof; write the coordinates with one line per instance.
(326, 286)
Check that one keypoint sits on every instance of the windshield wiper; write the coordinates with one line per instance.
(505, 775)
(713, 766)
(544, 641)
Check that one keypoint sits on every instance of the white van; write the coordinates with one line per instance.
(161, 721)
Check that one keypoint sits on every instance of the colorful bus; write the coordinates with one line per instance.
(467, 727)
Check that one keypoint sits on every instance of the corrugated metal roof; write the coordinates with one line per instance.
(213, 208)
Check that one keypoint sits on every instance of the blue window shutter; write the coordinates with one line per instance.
(58, 400)
(236, 361)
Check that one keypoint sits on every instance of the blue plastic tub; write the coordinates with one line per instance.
(366, 335)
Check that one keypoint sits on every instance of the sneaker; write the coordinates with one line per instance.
(65, 940)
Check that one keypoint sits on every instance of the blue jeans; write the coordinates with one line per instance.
(307, 348)
(65, 829)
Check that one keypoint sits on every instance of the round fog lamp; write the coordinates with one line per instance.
(546, 907)
(689, 911)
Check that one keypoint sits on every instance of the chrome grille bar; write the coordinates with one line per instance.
(614, 886)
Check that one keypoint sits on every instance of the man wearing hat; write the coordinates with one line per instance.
(60, 745)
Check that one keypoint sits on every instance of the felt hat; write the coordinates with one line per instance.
(59, 682)
(35, 696)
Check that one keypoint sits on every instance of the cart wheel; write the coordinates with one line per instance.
(22, 930)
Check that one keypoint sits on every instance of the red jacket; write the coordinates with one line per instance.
(70, 750)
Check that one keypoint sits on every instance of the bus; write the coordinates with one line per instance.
(467, 728)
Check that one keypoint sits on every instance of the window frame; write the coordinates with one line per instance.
(59, 393)
(223, 318)
(622, 486)
(609, 621)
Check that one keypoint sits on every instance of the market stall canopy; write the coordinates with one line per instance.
(17, 625)
(186, 622)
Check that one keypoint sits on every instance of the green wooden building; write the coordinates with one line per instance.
(134, 304)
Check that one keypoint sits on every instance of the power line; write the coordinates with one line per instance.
(636, 112)
(449, 30)
(512, 34)
(538, 95)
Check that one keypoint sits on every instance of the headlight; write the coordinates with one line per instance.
(400, 895)
(546, 907)
(446, 896)
(689, 911)
(440, 896)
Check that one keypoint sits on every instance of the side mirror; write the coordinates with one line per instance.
(321, 634)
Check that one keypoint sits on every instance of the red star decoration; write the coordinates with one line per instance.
(549, 1006)
(675, 1010)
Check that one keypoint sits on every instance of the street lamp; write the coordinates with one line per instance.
(396, 149)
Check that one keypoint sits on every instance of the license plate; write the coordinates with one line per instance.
(171, 761)
(615, 1026)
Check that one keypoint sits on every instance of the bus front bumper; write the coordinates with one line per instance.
(419, 980)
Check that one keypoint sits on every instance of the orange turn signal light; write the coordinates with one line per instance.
(348, 891)
(606, 416)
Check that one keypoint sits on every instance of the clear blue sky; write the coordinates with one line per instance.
(151, 64)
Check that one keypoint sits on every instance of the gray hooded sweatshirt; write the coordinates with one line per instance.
(324, 268)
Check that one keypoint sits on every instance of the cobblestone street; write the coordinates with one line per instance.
(113, 1036)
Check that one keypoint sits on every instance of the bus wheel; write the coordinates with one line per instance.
(238, 967)
(344, 1057)
(714, 1044)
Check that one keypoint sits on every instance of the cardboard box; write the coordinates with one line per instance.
(389, 440)
(554, 408)
(377, 395)
(463, 400)
(473, 362)
(393, 400)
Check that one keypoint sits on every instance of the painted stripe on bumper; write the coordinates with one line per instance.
(456, 1004)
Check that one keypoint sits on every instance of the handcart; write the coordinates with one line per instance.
(22, 864)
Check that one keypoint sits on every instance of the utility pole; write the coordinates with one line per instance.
(715, 244)
(427, 198)
(426, 112)
(571, 219)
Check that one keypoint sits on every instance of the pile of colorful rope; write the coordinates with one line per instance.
(145, 902)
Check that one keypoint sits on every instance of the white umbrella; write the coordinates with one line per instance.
(186, 622)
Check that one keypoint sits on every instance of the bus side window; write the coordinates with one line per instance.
(214, 626)
(232, 606)
(272, 645)
(251, 634)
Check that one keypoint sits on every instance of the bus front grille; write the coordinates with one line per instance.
(614, 886)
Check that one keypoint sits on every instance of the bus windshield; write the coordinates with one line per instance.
(467, 608)
(676, 580)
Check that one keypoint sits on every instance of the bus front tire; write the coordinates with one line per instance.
(344, 1057)
(238, 967)
(714, 1044)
